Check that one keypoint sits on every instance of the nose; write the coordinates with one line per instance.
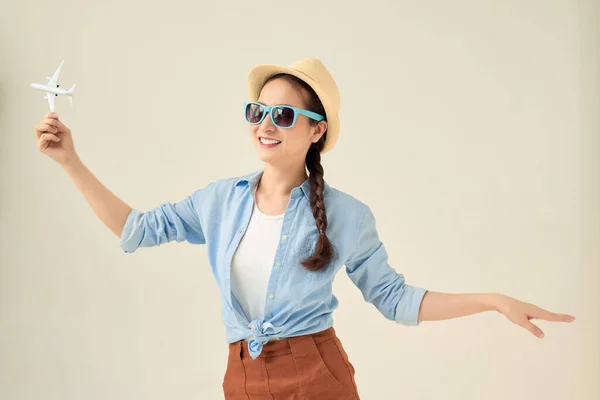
(267, 124)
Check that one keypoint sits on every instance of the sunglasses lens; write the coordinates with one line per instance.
(254, 113)
(284, 117)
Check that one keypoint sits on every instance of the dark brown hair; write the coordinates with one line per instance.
(324, 249)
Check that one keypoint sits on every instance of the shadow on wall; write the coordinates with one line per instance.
(3, 116)
(2, 103)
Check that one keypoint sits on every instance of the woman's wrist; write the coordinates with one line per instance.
(494, 301)
(71, 162)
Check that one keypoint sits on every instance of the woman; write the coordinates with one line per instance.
(275, 240)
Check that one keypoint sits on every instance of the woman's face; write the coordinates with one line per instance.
(295, 141)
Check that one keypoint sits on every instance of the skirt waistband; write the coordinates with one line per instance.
(279, 347)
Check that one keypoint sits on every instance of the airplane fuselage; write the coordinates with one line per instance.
(57, 90)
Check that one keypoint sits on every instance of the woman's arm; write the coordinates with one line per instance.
(437, 306)
(110, 209)
(440, 306)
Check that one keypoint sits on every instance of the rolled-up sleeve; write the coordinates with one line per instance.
(169, 222)
(368, 267)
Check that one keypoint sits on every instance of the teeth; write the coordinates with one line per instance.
(269, 141)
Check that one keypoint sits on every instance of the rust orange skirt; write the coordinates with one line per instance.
(307, 367)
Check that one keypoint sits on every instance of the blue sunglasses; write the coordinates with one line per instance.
(282, 116)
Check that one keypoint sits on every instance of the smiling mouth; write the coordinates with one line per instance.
(269, 142)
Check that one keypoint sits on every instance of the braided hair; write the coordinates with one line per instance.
(324, 249)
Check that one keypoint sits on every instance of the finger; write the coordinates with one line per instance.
(44, 127)
(540, 313)
(51, 122)
(49, 137)
(45, 140)
(51, 115)
(533, 329)
(560, 318)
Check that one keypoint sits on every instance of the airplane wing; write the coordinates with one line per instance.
(50, 97)
(53, 82)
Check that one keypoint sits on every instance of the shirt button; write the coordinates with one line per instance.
(284, 237)
(269, 315)
(271, 295)
(253, 328)
(278, 264)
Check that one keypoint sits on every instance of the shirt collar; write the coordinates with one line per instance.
(252, 180)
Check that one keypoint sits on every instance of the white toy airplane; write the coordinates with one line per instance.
(52, 90)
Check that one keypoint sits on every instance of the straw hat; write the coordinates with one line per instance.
(313, 72)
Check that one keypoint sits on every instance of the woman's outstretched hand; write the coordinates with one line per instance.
(522, 313)
(438, 306)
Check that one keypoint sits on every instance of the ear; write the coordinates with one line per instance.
(320, 129)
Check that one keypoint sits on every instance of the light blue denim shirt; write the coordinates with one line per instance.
(297, 301)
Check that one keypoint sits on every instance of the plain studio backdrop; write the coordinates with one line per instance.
(470, 128)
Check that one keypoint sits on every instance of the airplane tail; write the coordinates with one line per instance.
(71, 90)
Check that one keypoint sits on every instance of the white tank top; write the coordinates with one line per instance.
(253, 260)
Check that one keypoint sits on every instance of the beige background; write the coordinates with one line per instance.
(470, 128)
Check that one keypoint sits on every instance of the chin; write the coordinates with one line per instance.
(266, 157)
(263, 155)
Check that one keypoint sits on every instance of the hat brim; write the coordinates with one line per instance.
(259, 74)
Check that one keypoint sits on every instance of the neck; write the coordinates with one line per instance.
(279, 182)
